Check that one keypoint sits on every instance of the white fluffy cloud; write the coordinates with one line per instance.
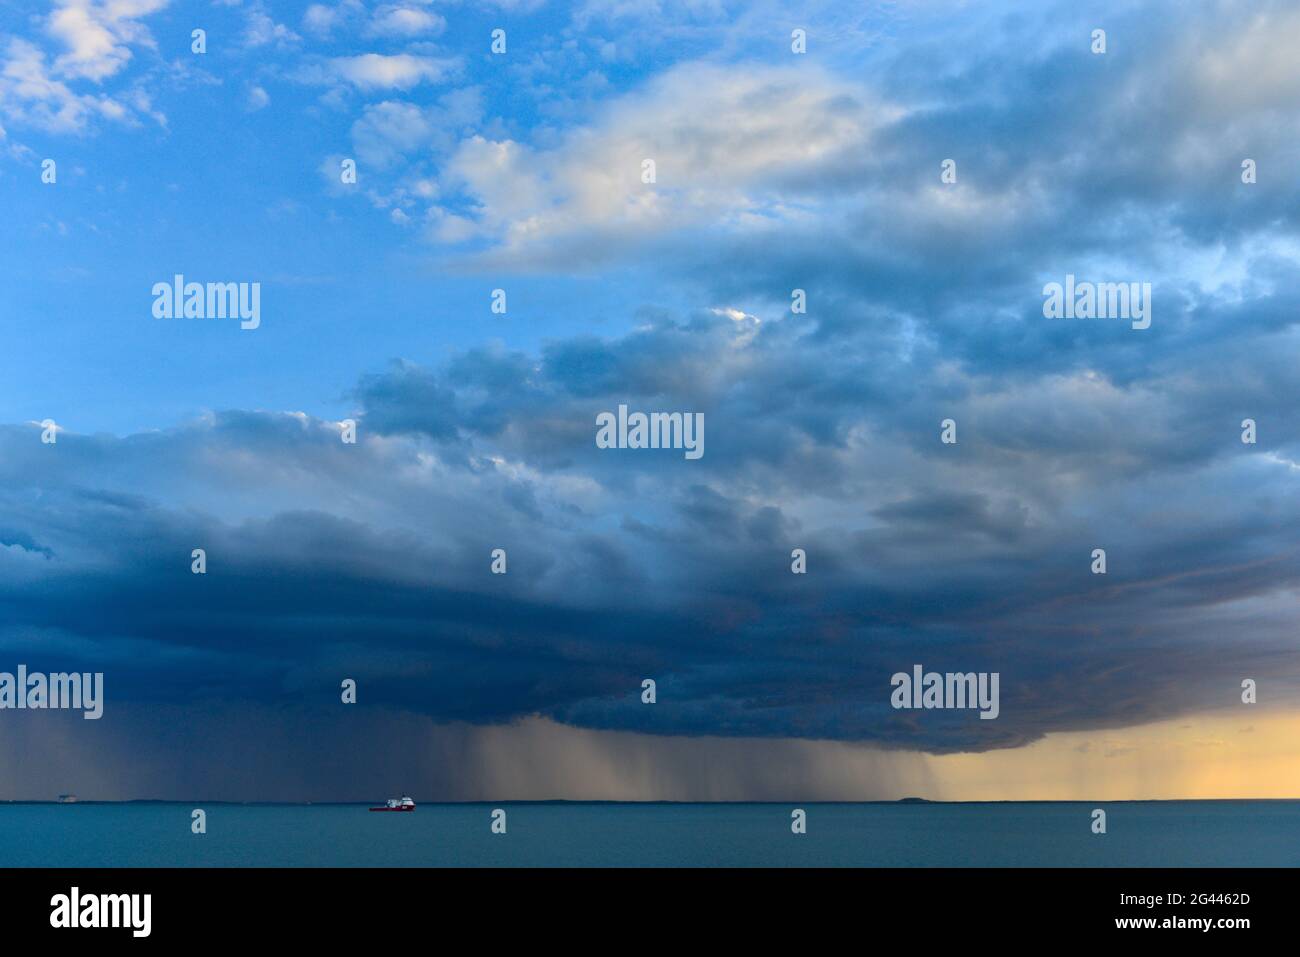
(97, 41)
(393, 129)
(30, 93)
(257, 98)
(98, 35)
(320, 19)
(262, 30)
(395, 20)
(783, 127)
(375, 71)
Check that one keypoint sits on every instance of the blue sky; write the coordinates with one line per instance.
(522, 171)
(200, 180)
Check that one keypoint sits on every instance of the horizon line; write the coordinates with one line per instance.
(908, 801)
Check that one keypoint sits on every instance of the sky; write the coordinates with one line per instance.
(824, 171)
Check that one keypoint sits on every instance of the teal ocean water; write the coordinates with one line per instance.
(1139, 834)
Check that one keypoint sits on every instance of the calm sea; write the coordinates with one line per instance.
(1139, 834)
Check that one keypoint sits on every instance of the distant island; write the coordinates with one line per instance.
(913, 801)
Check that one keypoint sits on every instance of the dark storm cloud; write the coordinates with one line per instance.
(372, 561)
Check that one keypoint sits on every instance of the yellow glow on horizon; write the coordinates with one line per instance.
(1254, 754)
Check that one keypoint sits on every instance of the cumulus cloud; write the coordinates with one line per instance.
(810, 153)
(783, 125)
(257, 98)
(262, 30)
(398, 20)
(320, 19)
(377, 71)
(98, 36)
(393, 130)
(42, 90)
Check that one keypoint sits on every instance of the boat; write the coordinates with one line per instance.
(67, 799)
(396, 804)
